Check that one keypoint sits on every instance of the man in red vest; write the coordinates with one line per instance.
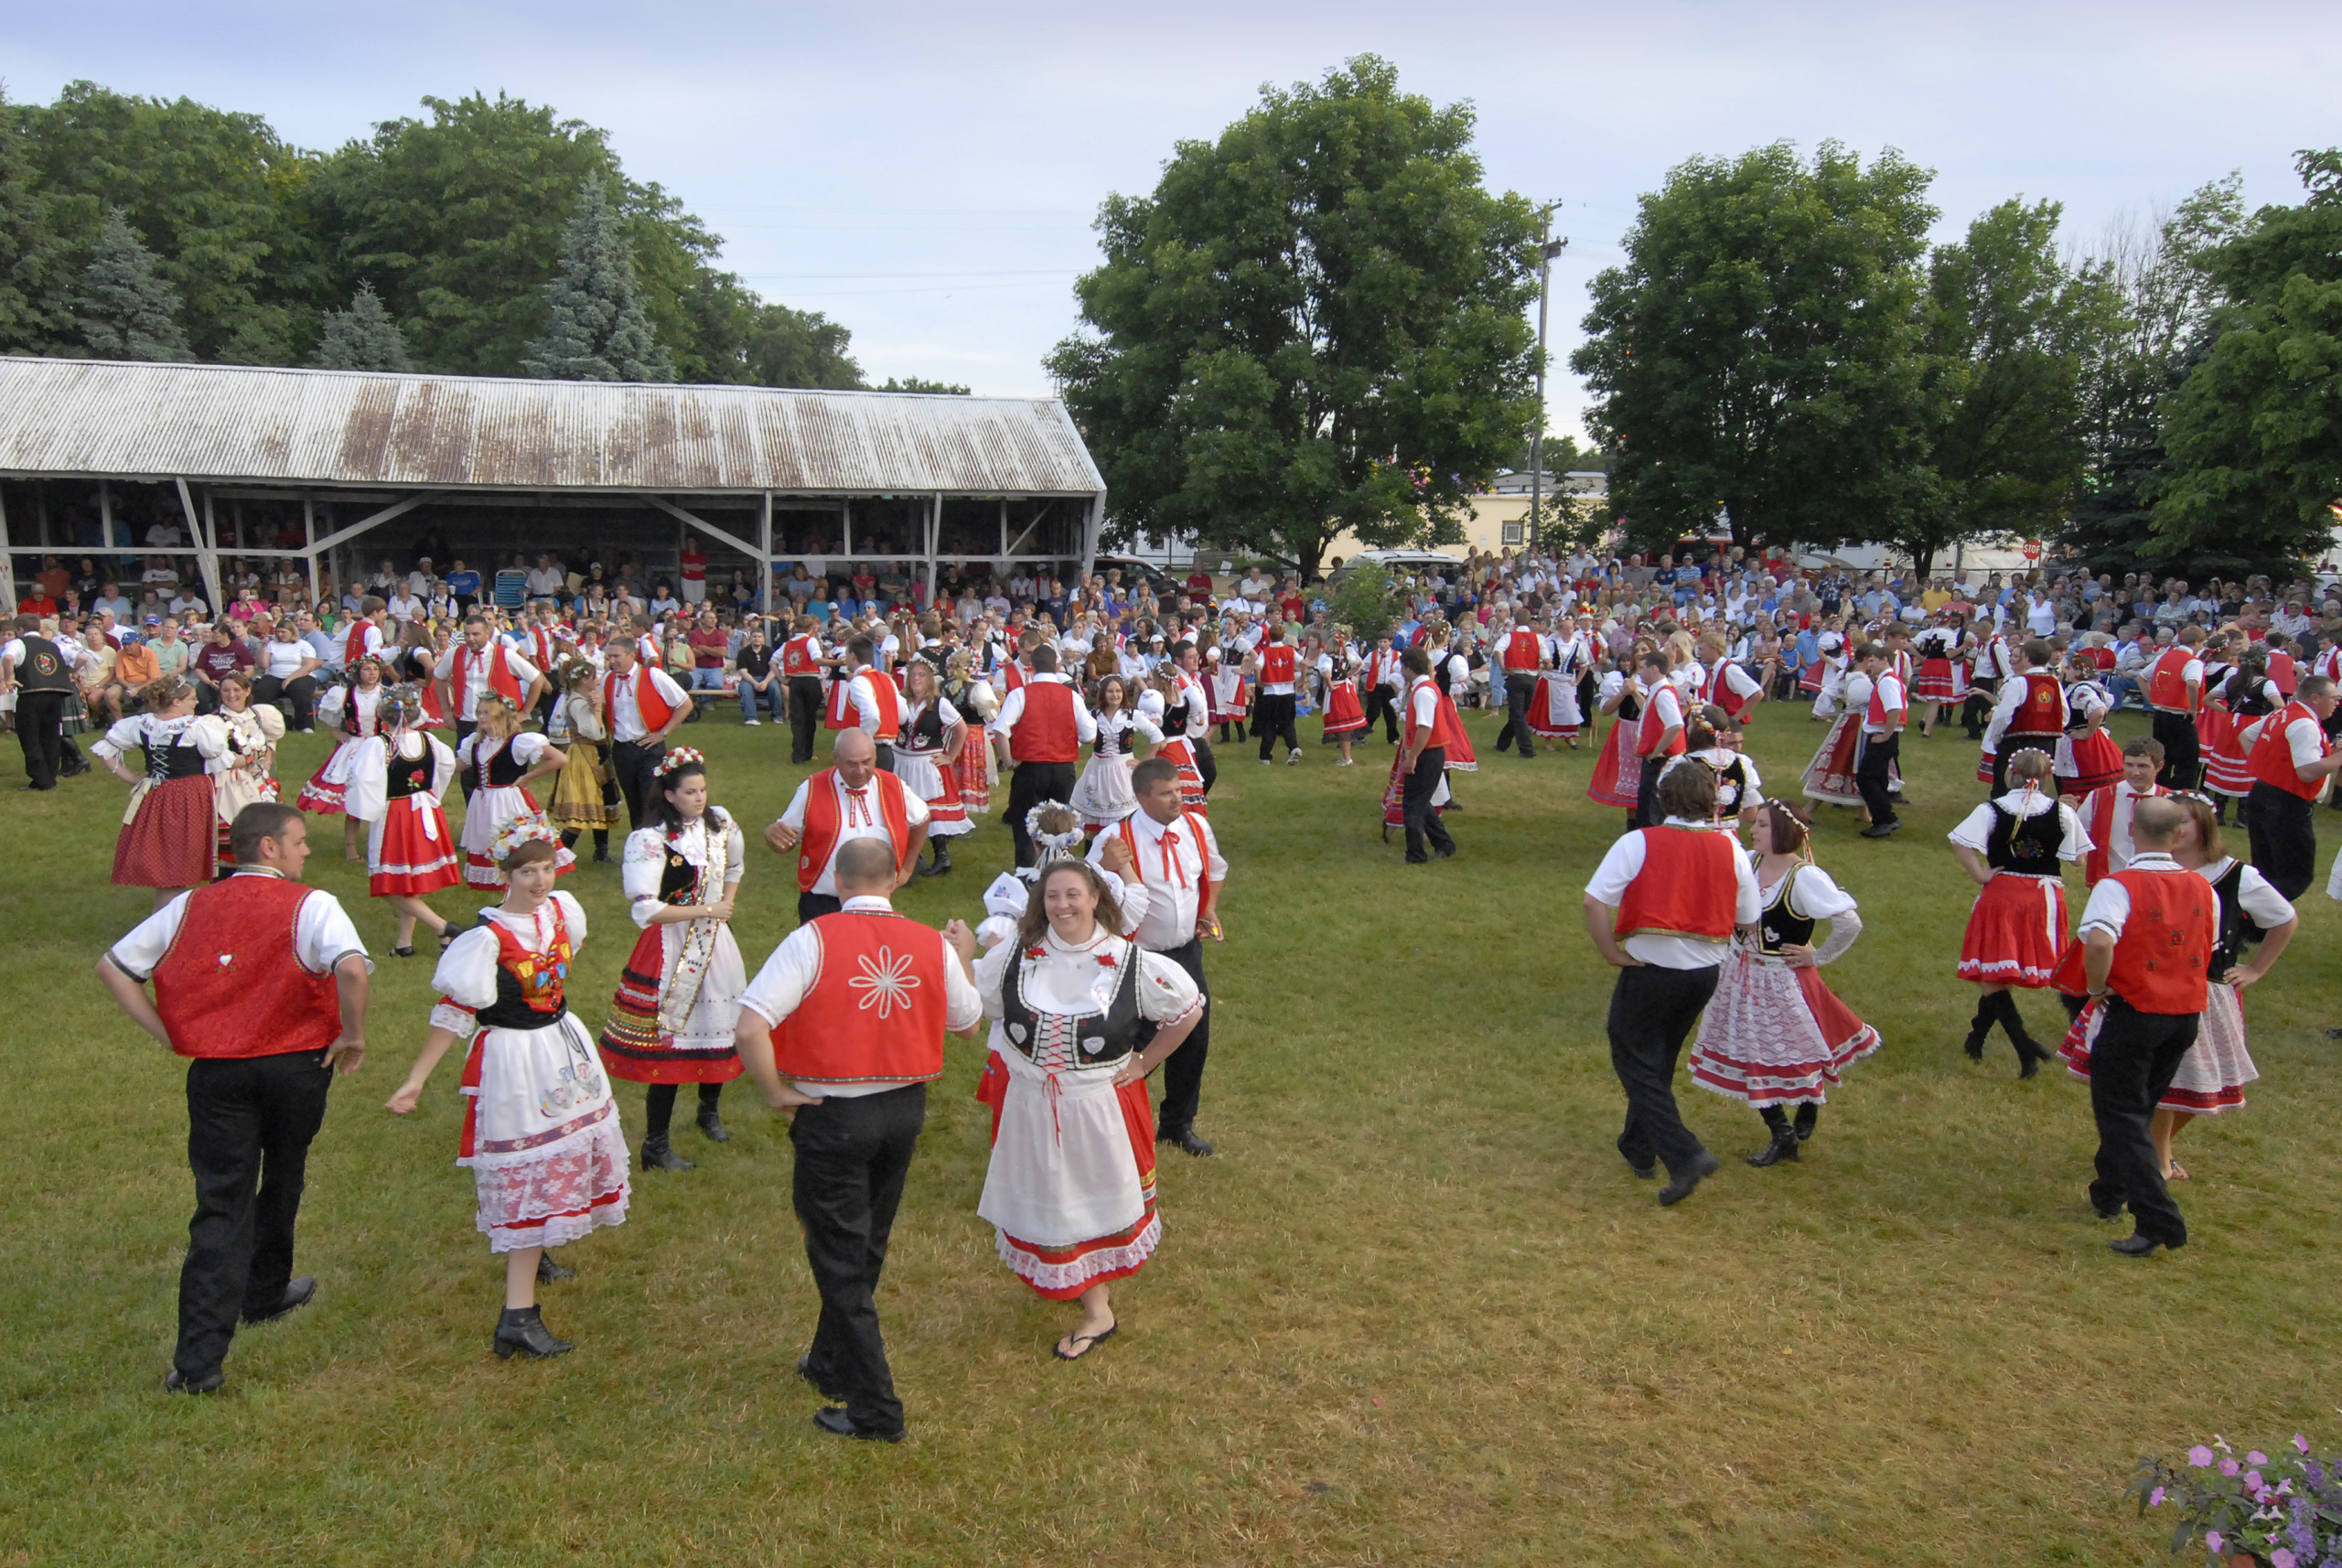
(1039, 730)
(643, 707)
(2291, 759)
(876, 701)
(852, 799)
(1659, 734)
(480, 664)
(262, 983)
(1885, 704)
(2148, 935)
(2175, 684)
(1274, 709)
(842, 1030)
(800, 663)
(1662, 909)
(2029, 714)
(2105, 816)
(1423, 760)
(1526, 651)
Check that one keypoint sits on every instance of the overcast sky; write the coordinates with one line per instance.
(927, 174)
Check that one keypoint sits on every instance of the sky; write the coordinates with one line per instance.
(927, 175)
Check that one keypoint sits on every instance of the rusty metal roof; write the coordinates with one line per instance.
(230, 423)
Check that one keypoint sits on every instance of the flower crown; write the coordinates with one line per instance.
(531, 827)
(1053, 846)
(681, 756)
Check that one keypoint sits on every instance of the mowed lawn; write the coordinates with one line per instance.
(1416, 1311)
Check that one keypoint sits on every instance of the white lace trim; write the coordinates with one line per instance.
(1077, 1273)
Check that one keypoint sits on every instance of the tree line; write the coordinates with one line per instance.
(488, 237)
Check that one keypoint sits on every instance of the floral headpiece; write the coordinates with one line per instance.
(529, 828)
(681, 756)
(402, 706)
(1066, 846)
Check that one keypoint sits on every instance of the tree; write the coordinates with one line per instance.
(1758, 351)
(1315, 323)
(1365, 600)
(36, 275)
(2008, 325)
(2163, 287)
(921, 385)
(126, 310)
(362, 338)
(2254, 433)
(597, 331)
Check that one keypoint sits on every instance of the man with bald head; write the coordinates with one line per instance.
(2147, 935)
(849, 800)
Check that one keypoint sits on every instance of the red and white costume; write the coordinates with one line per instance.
(1553, 710)
(2017, 929)
(826, 814)
(2029, 714)
(1617, 771)
(1830, 775)
(1444, 729)
(1943, 671)
(396, 782)
(2087, 758)
(348, 713)
(1102, 795)
(540, 1131)
(926, 732)
(2105, 817)
(497, 767)
(679, 992)
(1774, 1035)
(170, 835)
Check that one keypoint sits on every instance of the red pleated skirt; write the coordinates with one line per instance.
(2016, 933)
(174, 841)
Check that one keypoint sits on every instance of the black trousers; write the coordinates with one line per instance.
(249, 1122)
(886, 755)
(1028, 786)
(1977, 710)
(40, 730)
(804, 715)
(852, 1156)
(1871, 775)
(1272, 721)
(1652, 1011)
(301, 692)
(813, 905)
(1520, 686)
(2131, 1064)
(1183, 1070)
(463, 728)
(2283, 830)
(1381, 700)
(2181, 751)
(1647, 811)
(1206, 766)
(635, 763)
(1414, 797)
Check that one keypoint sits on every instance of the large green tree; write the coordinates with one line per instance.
(1759, 350)
(1315, 323)
(363, 337)
(596, 329)
(126, 309)
(2008, 327)
(2254, 433)
(37, 265)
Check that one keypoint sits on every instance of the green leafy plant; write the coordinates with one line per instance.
(2284, 1510)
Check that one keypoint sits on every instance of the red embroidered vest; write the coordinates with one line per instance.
(1520, 651)
(654, 708)
(501, 679)
(2100, 862)
(2163, 956)
(878, 1008)
(1045, 731)
(233, 985)
(1688, 886)
(2272, 755)
(2166, 682)
(1276, 664)
(1650, 727)
(824, 816)
(2043, 712)
(889, 699)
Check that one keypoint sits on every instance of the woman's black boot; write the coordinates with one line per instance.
(710, 1123)
(522, 1329)
(1807, 1115)
(1784, 1143)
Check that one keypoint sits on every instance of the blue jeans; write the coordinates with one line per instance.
(774, 698)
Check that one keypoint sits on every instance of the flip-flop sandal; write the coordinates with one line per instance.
(1088, 1342)
(2179, 1173)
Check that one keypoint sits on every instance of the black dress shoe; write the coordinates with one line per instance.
(1880, 831)
(298, 1293)
(520, 1330)
(549, 1271)
(601, 854)
(2107, 1215)
(2137, 1246)
(1679, 1188)
(1782, 1147)
(177, 1382)
(657, 1154)
(1446, 852)
(1188, 1142)
(820, 1381)
(835, 1420)
(1647, 1171)
(711, 1128)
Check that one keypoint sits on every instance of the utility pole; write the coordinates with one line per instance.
(1547, 249)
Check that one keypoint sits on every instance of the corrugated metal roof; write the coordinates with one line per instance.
(230, 422)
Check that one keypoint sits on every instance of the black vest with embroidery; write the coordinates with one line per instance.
(500, 769)
(1100, 1038)
(2027, 844)
(2238, 930)
(42, 669)
(1780, 926)
(409, 775)
(925, 731)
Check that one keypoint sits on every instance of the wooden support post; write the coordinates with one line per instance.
(764, 594)
(207, 559)
(8, 560)
(310, 539)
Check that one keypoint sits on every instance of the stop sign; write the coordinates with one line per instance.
(2033, 550)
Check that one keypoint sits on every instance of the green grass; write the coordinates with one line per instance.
(1416, 1312)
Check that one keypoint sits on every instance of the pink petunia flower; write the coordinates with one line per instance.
(2154, 1498)
(2256, 1457)
(2230, 1466)
(2300, 1442)
(2212, 1539)
(2280, 1558)
(2252, 1484)
(2200, 1457)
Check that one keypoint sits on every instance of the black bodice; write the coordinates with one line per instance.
(2027, 844)
(497, 769)
(924, 732)
(178, 759)
(1100, 1038)
(2238, 930)
(409, 775)
(1779, 926)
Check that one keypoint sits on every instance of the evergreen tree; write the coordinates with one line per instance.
(362, 338)
(126, 309)
(598, 331)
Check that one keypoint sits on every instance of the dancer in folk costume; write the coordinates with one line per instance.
(541, 1130)
(1826, 676)
(1942, 680)
(586, 795)
(1712, 740)
(2175, 684)
(2088, 758)
(1617, 771)
(500, 759)
(1433, 741)
(1659, 733)
(1345, 713)
(1554, 711)
(1069, 1191)
(1829, 777)
(350, 711)
(2235, 705)
(1232, 693)
(1774, 1035)
(1524, 651)
(927, 759)
(2211, 1077)
(167, 840)
(1102, 794)
(679, 992)
(1176, 715)
(977, 704)
(397, 779)
(1187, 703)
(2105, 813)
(250, 777)
(2030, 714)
(1722, 683)
(2013, 848)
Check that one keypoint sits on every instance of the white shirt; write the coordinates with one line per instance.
(1975, 830)
(1162, 909)
(546, 581)
(780, 986)
(475, 673)
(1890, 697)
(1623, 863)
(1423, 707)
(2303, 737)
(866, 700)
(283, 660)
(1069, 981)
(626, 716)
(858, 818)
(2115, 835)
(322, 935)
(1012, 708)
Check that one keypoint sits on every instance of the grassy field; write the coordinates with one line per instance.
(1415, 1312)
